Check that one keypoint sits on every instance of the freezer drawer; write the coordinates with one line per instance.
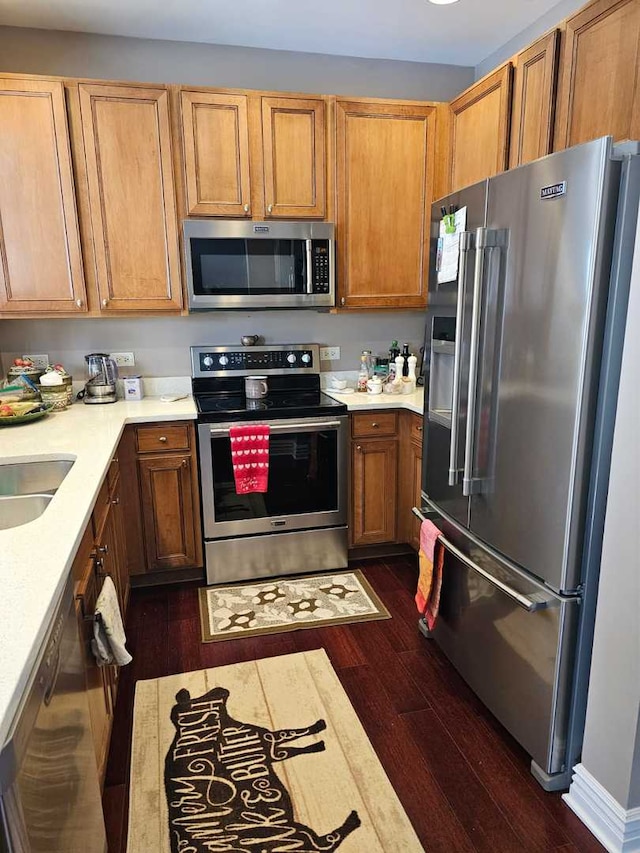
(519, 662)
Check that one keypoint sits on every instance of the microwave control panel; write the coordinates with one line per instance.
(320, 250)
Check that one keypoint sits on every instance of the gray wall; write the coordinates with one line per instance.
(553, 17)
(611, 749)
(161, 345)
(117, 58)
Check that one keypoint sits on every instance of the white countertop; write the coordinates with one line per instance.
(35, 558)
(357, 402)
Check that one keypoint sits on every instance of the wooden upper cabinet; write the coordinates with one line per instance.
(294, 157)
(40, 261)
(216, 153)
(480, 129)
(385, 167)
(599, 78)
(132, 197)
(534, 93)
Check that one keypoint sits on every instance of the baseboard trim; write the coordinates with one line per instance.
(618, 829)
(374, 552)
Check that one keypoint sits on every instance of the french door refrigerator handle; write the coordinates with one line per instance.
(530, 604)
(466, 243)
(485, 239)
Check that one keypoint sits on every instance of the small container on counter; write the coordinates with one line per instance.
(55, 396)
(133, 388)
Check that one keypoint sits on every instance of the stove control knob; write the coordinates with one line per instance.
(291, 358)
(306, 357)
(207, 361)
(223, 360)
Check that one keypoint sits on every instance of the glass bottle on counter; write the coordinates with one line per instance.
(405, 354)
(363, 375)
(394, 352)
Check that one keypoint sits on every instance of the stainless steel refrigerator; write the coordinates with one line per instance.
(522, 358)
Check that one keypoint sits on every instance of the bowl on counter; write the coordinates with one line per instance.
(55, 397)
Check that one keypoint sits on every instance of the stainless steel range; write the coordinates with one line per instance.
(300, 523)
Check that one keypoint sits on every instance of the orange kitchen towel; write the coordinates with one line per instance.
(431, 557)
(250, 457)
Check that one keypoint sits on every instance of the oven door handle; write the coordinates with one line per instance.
(308, 427)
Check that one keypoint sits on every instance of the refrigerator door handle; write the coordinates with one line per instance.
(466, 243)
(485, 239)
(529, 603)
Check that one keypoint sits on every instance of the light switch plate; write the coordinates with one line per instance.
(124, 359)
(329, 353)
(41, 361)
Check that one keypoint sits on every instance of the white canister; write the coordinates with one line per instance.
(133, 388)
(374, 385)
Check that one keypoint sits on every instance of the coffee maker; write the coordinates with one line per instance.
(102, 373)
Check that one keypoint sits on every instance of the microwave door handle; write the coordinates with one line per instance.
(308, 275)
(466, 243)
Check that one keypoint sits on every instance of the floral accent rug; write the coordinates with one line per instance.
(287, 604)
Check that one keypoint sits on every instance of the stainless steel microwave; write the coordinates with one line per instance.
(236, 265)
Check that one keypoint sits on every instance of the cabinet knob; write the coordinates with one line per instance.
(375, 424)
(342, 301)
(79, 303)
(115, 501)
(359, 447)
(162, 438)
(247, 208)
(105, 302)
(269, 208)
(103, 549)
(419, 429)
(184, 463)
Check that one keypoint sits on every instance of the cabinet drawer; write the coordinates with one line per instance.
(374, 424)
(163, 437)
(415, 429)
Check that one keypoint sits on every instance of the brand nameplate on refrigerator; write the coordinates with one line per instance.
(554, 190)
(260, 229)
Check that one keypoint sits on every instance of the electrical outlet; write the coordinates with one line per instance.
(40, 361)
(124, 359)
(329, 353)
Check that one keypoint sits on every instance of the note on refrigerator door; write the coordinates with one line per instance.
(448, 254)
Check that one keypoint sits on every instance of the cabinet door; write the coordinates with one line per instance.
(215, 142)
(599, 74)
(534, 93)
(132, 197)
(40, 261)
(294, 157)
(97, 679)
(480, 129)
(170, 519)
(385, 167)
(415, 485)
(374, 491)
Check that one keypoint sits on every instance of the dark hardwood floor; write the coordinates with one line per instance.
(464, 782)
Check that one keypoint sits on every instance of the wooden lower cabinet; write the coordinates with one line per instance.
(169, 496)
(161, 499)
(102, 552)
(386, 478)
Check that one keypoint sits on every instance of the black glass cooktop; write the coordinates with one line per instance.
(214, 408)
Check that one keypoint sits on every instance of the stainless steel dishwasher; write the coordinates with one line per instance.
(49, 791)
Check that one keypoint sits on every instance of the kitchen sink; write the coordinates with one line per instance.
(33, 478)
(21, 509)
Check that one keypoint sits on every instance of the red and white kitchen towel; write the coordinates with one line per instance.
(250, 457)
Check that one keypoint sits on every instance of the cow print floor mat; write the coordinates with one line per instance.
(266, 756)
(287, 604)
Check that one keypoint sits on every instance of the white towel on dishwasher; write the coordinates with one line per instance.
(108, 643)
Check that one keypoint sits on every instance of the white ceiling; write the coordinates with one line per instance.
(461, 34)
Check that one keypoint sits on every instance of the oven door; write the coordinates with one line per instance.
(307, 479)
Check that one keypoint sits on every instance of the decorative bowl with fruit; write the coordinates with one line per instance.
(22, 412)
